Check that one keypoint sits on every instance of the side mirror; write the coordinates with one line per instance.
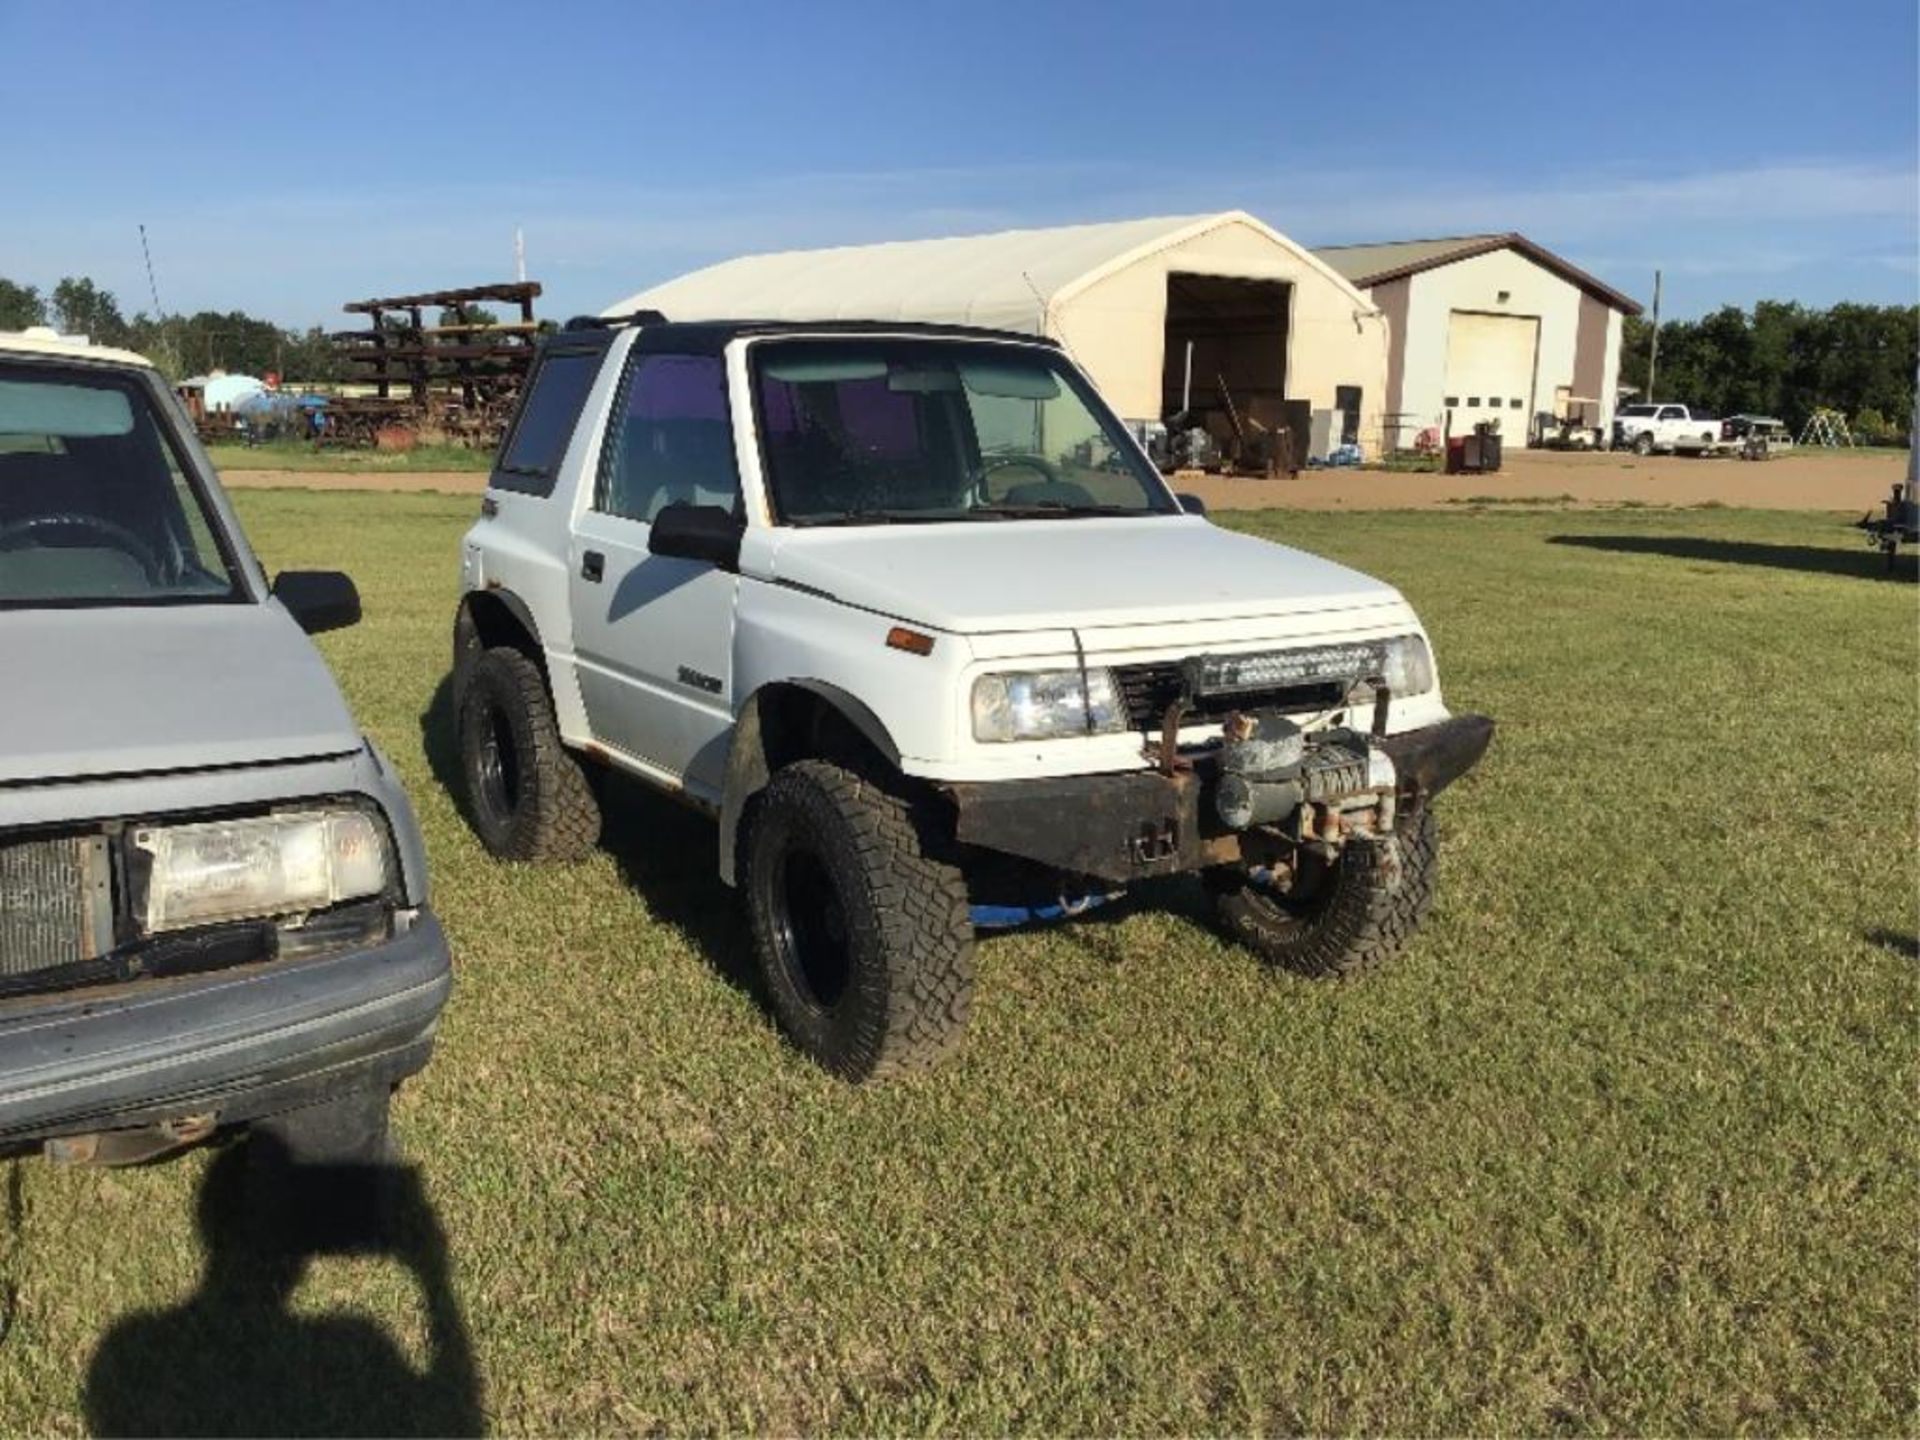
(1191, 504)
(697, 532)
(318, 599)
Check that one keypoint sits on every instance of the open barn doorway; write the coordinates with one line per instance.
(1226, 357)
(1234, 330)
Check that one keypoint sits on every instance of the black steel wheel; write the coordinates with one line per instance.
(527, 795)
(861, 929)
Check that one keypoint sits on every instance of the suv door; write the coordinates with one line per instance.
(653, 634)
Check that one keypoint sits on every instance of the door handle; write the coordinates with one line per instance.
(592, 566)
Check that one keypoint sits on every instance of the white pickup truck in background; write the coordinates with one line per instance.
(1644, 429)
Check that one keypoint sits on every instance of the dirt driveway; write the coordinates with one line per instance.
(1794, 482)
(1803, 481)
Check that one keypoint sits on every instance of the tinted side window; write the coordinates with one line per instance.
(671, 441)
(531, 456)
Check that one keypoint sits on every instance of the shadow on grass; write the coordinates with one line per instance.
(1906, 946)
(664, 850)
(1812, 559)
(234, 1359)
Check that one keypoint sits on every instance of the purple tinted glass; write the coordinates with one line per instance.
(679, 387)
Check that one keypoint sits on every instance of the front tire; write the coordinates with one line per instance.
(863, 934)
(1338, 919)
(527, 796)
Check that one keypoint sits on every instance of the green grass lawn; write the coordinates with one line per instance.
(1624, 1143)
(294, 455)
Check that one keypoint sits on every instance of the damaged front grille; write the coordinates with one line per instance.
(1150, 688)
(56, 903)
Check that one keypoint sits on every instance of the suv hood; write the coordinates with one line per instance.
(137, 689)
(1021, 575)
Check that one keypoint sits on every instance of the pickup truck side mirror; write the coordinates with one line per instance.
(318, 599)
(697, 532)
(1191, 504)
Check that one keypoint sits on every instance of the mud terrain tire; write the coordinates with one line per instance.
(527, 796)
(861, 929)
(1359, 913)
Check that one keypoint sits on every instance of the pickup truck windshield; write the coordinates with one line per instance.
(858, 432)
(96, 506)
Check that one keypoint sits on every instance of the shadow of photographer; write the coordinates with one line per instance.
(235, 1360)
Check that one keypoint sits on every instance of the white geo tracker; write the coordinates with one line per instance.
(908, 611)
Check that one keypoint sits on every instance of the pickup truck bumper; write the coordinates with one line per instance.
(232, 1045)
(1138, 824)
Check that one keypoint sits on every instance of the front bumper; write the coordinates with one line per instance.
(1138, 824)
(233, 1045)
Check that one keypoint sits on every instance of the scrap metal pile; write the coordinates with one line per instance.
(414, 371)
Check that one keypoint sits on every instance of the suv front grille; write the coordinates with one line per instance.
(1150, 688)
(56, 903)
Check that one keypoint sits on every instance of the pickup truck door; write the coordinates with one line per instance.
(653, 634)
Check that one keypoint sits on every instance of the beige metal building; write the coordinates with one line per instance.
(1489, 327)
(1153, 309)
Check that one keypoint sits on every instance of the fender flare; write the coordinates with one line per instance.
(748, 770)
(514, 605)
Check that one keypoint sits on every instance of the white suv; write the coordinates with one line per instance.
(908, 610)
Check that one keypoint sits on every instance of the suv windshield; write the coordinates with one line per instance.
(866, 431)
(96, 506)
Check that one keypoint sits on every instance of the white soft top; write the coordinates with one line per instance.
(42, 341)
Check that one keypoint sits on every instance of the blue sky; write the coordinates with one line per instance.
(287, 158)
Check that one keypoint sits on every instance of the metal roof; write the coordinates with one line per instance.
(1369, 265)
(1012, 280)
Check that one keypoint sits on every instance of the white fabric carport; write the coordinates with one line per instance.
(1099, 289)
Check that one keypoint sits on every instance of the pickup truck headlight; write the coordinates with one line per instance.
(1046, 705)
(260, 866)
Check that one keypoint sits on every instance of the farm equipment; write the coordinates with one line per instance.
(1257, 449)
(1898, 524)
(459, 378)
(1475, 454)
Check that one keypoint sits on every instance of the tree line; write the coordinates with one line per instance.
(180, 345)
(183, 345)
(1786, 360)
(1780, 358)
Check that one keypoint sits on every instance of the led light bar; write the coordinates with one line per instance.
(1278, 669)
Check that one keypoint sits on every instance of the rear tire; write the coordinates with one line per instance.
(863, 933)
(1359, 912)
(1643, 443)
(527, 795)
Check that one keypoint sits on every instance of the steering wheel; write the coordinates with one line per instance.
(116, 535)
(1039, 464)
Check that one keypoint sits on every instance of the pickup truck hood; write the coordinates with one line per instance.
(138, 689)
(1023, 575)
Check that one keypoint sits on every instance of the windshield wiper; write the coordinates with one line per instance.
(872, 517)
(1054, 510)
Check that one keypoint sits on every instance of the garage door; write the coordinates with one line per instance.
(1490, 361)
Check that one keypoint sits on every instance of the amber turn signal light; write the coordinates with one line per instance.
(911, 641)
